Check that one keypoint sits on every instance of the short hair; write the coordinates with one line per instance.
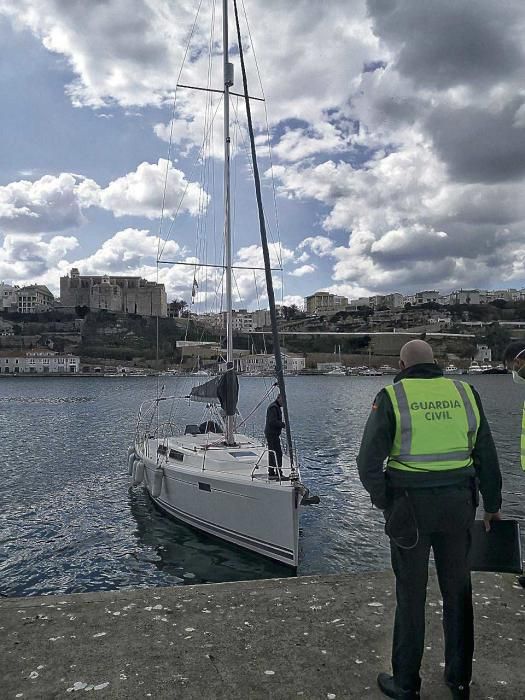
(513, 349)
(416, 352)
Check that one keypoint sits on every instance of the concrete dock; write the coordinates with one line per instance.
(308, 637)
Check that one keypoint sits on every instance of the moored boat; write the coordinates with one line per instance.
(211, 475)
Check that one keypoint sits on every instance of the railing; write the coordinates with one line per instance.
(266, 450)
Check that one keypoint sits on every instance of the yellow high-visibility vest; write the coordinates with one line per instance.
(437, 421)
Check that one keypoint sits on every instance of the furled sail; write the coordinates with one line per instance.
(223, 390)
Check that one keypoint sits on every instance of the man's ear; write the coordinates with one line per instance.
(402, 364)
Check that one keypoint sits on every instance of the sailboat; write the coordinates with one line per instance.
(199, 372)
(213, 476)
(338, 370)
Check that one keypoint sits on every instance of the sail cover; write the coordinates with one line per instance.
(223, 390)
(228, 392)
(206, 392)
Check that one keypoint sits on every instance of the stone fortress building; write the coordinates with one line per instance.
(132, 295)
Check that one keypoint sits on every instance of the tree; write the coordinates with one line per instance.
(293, 311)
(286, 312)
(497, 338)
(81, 311)
(177, 306)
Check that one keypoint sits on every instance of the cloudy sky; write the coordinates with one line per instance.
(397, 133)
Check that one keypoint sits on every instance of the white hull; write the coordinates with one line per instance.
(225, 496)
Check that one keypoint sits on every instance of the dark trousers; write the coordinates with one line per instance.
(444, 517)
(274, 445)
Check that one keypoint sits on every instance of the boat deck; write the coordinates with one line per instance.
(248, 458)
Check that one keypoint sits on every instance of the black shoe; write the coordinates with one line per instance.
(521, 581)
(388, 687)
(274, 476)
(460, 692)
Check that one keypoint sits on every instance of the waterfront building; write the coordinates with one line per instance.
(38, 362)
(132, 295)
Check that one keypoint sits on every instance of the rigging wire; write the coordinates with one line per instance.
(250, 166)
(192, 169)
(172, 120)
(267, 132)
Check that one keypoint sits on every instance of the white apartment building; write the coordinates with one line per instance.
(465, 296)
(425, 297)
(360, 301)
(323, 302)
(38, 362)
(34, 298)
(390, 301)
(245, 321)
(210, 320)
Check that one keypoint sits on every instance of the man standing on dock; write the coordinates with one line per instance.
(437, 444)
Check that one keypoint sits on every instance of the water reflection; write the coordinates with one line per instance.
(68, 522)
(187, 555)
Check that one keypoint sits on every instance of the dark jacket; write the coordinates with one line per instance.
(378, 439)
(274, 420)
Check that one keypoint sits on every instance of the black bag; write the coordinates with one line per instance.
(498, 550)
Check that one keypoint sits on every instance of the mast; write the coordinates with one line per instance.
(266, 254)
(228, 82)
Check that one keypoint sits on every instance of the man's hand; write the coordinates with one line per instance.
(488, 517)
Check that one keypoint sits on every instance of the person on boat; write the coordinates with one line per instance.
(272, 433)
(514, 360)
(435, 438)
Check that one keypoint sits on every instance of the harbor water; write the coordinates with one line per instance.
(69, 522)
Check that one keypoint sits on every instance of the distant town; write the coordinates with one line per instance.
(106, 324)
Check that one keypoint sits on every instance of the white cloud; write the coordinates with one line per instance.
(298, 144)
(302, 270)
(293, 300)
(419, 158)
(128, 52)
(27, 259)
(48, 204)
(54, 203)
(141, 193)
(320, 245)
(409, 225)
(126, 251)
